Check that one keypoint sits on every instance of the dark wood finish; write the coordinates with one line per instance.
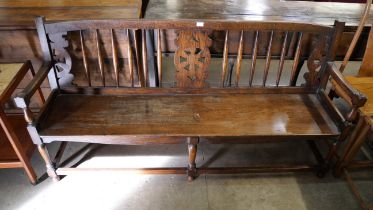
(268, 59)
(239, 59)
(192, 59)
(85, 62)
(19, 39)
(282, 59)
(202, 170)
(22, 13)
(100, 59)
(6, 149)
(225, 59)
(159, 57)
(192, 150)
(253, 58)
(196, 106)
(178, 114)
(252, 10)
(48, 162)
(356, 37)
(269, 10)
(145, 58)
(16, 149)
(294, 72)
(130, 58)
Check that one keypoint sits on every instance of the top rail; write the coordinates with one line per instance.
(74, 25)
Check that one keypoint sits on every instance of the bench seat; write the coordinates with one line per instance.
(199, 115)
(128, 96)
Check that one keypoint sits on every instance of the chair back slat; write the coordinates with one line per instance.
(85, 60)
(130, 58)
(145, 58)
(159, 57)
(100, 58)
(282, 58)
(268, 59)
(118, 52)
(225, 60)
(253, 58)
(294, 72)
(115, 56)
(239, 59)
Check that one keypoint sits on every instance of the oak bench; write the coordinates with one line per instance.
(117, 106)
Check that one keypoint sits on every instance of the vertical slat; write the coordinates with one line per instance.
(268, 60)
(136, 34)
(239, 59)
(115, 57)
(100, 58)
(130, 57)
(159, 57)
(85, 61)
(296, 60)
(225, 59)
(144, 57)
(253, 58)
(282, 59)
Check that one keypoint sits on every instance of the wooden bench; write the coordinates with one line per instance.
(230, 109)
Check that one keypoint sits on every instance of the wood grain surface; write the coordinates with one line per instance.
(23, 12)
(264, 10)
(187, 115)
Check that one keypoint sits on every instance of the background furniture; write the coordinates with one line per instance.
(19, 40)
(363, 82)
(16, 146)
(324, 13)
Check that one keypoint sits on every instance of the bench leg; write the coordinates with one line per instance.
(48, 162)
(322, 166)
(192, 150)
(356, 140)
(336, 145)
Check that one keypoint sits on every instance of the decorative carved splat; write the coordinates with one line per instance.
(314, 62)
(192, 58)
(62, 58)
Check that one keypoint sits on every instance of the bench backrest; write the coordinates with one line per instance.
(134, 53)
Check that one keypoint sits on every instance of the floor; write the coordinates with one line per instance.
(104, 190)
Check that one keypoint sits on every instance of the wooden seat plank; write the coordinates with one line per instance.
(187, 115)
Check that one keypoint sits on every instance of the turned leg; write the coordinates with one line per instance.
(192, 150)
(356, 140)
(336, 144)
(48, 162)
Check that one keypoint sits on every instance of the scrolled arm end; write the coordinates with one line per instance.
(343, 88)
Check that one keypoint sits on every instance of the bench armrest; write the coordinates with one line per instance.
(22, 99)
(343, 88)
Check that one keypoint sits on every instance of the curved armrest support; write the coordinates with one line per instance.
(345, 90)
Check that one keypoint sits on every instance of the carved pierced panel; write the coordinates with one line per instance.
(192, 59)
(314, 63)
(62, 60)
